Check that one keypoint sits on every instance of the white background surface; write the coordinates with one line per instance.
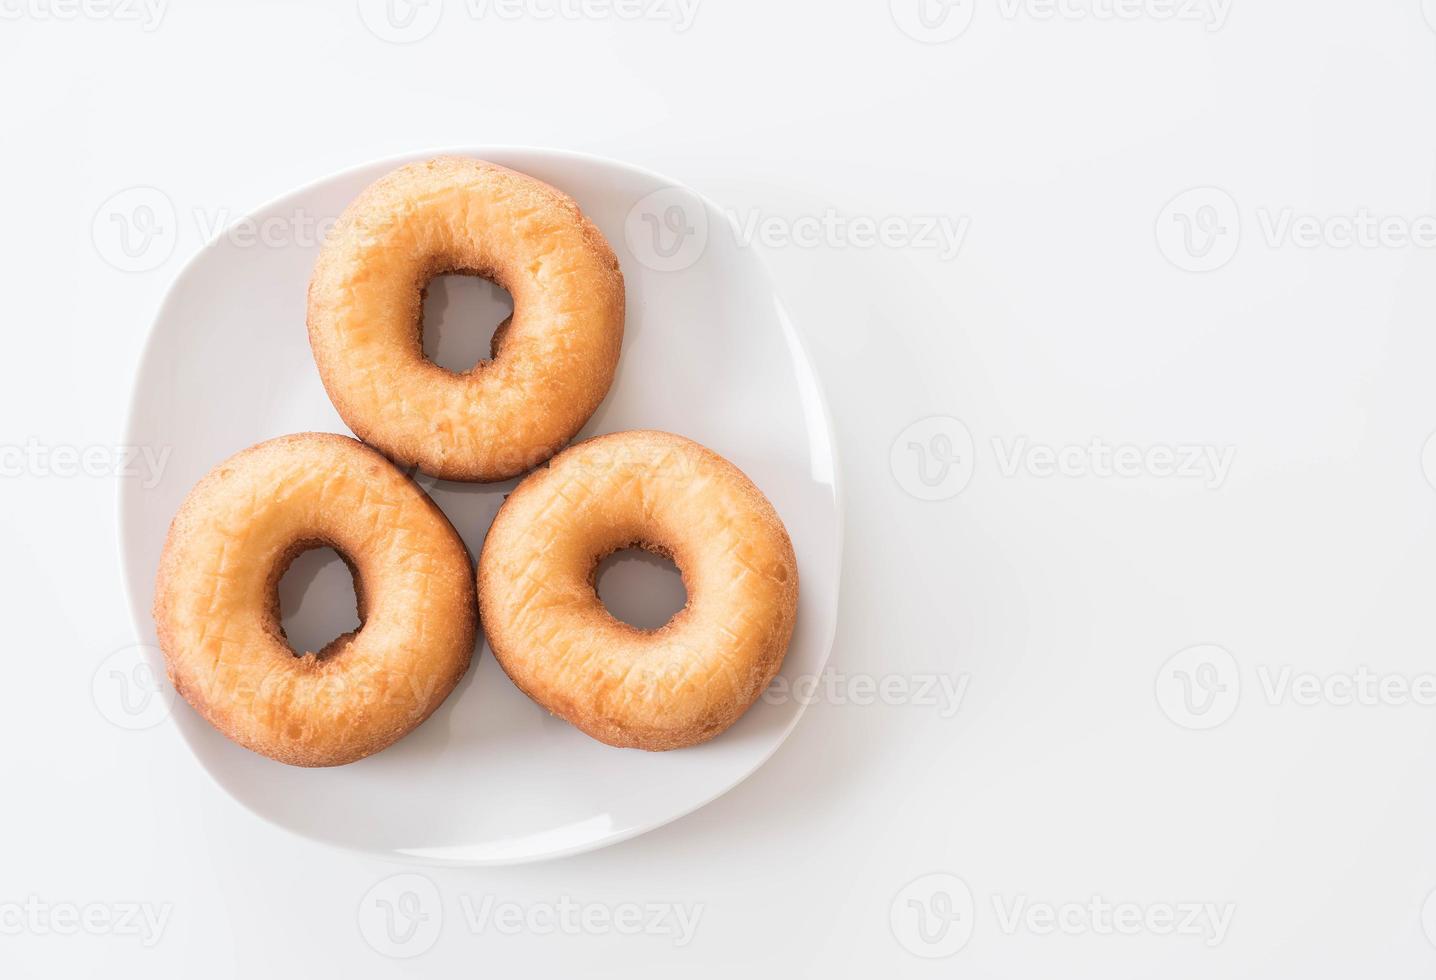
(1056, 599)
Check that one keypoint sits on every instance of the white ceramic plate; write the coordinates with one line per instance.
(707, 352)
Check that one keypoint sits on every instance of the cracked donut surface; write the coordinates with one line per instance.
(553, 361)
(667, 688)
(217, 605)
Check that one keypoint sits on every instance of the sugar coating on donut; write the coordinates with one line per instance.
(658, 689)
(554, 361)
(216, 601)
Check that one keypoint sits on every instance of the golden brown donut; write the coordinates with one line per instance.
(667, 688)
(553, 361)
(217, 602)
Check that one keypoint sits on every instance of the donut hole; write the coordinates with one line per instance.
(318, 601)
(640, 587)
(461, 320)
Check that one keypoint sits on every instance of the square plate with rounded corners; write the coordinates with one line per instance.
(708, 353)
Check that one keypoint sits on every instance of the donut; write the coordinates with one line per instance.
(668, 688)
(217, 603)
(553, 360)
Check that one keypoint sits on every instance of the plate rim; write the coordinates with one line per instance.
(392, 161)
